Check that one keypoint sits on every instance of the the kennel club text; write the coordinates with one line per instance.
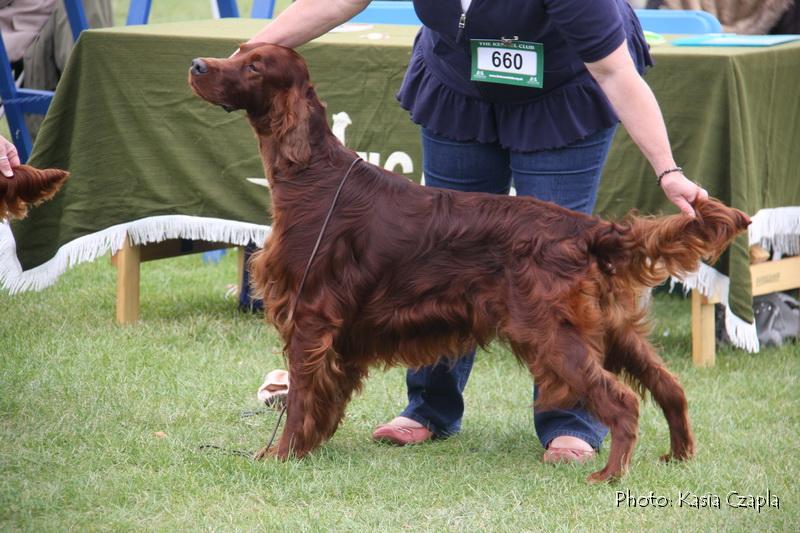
(690, 500)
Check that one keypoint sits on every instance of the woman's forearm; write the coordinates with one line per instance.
(636, 106)
(638, 110)
(305, 20)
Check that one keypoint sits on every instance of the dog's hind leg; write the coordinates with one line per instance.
(321, 386)
(568, 369)
(631, 350)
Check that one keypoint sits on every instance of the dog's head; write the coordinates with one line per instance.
(255, 79)
(270, 82)
(28, 186)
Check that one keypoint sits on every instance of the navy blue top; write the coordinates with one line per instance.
(439, 95)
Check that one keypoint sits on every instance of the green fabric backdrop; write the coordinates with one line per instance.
(140, 144)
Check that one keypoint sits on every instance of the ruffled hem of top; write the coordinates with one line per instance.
(570, 113)
(435, 106)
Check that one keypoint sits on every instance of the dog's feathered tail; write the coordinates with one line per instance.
(29, 186)
(646, 250)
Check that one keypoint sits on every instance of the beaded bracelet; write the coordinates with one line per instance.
(668, 171)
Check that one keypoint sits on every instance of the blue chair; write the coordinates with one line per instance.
(139, 10)
(677, 21)
(76, 17)
(389, 12)
(16, 102)
(262, 9)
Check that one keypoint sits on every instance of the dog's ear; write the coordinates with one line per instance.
(29, 186)
(289, 122)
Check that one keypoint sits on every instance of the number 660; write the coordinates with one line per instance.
(507, 60)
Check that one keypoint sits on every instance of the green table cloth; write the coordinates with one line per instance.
(151, 160)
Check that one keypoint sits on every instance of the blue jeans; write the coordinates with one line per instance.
(568, 176)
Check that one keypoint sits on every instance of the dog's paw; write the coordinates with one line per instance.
(603, 476)
(266, 453)
(683, 455)
(687, 454)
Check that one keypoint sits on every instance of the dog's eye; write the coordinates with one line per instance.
(252, 67)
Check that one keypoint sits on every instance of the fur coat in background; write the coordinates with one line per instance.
(738, 16)
(20, 22)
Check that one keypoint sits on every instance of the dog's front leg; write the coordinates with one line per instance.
(321, 385)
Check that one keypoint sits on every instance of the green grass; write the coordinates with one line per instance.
(82, 400)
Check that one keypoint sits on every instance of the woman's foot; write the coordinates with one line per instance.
(568, 449)
(402, 431)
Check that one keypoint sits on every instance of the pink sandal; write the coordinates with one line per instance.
(401, 435)
(275, 389)
(554, 455)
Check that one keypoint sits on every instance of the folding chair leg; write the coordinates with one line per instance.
(263, 9)
(76, 17)
(228, 9)
(13, 110)
(20, 135)
(138, 12)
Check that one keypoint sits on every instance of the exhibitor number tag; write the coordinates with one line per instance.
(509, 62)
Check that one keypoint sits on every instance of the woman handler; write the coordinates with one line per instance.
(527, 92)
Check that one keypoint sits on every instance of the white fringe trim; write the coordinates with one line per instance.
(777, 230)
(713, 285)
(90, 247)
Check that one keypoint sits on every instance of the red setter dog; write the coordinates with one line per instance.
(405, 274)
(28, 186)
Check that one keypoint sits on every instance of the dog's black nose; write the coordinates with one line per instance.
(199, 66)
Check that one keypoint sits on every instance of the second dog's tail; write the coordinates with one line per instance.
(646, 250)
(29, 186)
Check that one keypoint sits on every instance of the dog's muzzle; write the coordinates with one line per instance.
(199, 68)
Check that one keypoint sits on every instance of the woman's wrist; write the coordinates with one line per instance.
(674, 169)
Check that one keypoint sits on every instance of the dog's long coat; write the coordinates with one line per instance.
(406, 274)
